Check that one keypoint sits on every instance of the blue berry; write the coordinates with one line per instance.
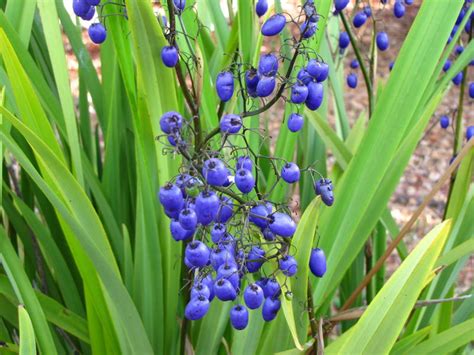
(444, 122)
(215, 172)
(251, 80)
(169, 56)
(390, 65)
(308, 33)
(469, 132)
(254, 257)
(354, 64)
(224, 290)
(208, 281)
(178, 232)
(458, 78)
(171, 197)
(344, 40)
(471, 90)
(188, 219)
(170, 121)
(295, 122)
(271, 288)
(265, 86)
(218, 231)
(225, 210)
(288, 265)
(244, 162)
(256, 212)
(317, 262)
(197, 253)
(352, 80)
(399, 9)
(282, 224)
(229, 272)
(290, 173)
(173, 214)
(270, 308)
(97, 33)
(368, 11)
(196, 308)
(93, 2)
(326, 193)
(220, 256)
(274, 25)
(200, 289)
(382, 41)
(340, 5)
(80, 7)
(231, 123)
(253, 296)
(239, 317)
(268, 65)
(244, 180)
(299, 93)
(304, 76)
(179, 4)
(261, 7)
(409, 2)
(359, 19)
(207, 207)
(225, 86)
(268, 234)
(89, 15)
(315, 96)
(318, 70)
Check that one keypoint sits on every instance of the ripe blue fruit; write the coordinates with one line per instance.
(317, 262)
(244, 162)
(197, 253)
(244, 180)
(225, 85)
(315, 96)
(268, 65)
(224, 290)
(308, 33)
(290, 173)
(265, 86)
(251, 80)
(220, 256)
(209, 282)
(354, 64)
(268, 234)
(200, 289)
(229, 271)
(340, 5)
(471, 90)
(207, 206)
(97, 33)
(256, 212)
(469, 132)
(344, 40)
(295, 122)
(93, 2)
(253, 296)
(382, 41)
(254, 263)
(169, 56)
(215, 172)
(196, 308)
(299, 93)
(178, 232)
(288, 265)
(171, 197)
(458, 78)
(352, 80)
(459, 49)
(327, 196)
(399, 9)
(179, 4)
(218, 231)
(261, 7)
(409, 2)
(239, 317)
(171, 120)
(80, 7)
(173, 214)
(359, 19)
(231, 123)
(282, 224)
(318, 70)
(225, 210)
(304, 76)
(270, 308)
(444, 122)
(89, 15)
(271, 288)
(274, 25)
(188, 219)
(368, 11)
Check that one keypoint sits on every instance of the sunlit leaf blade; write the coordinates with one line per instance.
(27, 333)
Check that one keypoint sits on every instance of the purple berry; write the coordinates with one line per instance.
(224, 290)
(239, 317)
(178, 232)
(254, 257)
(251, 80)
(409, 2)
(299, 93)
(446, 65)
(225, 86)
(200, 289)
(304, 76)
(471, 90)
(288, 265)
(93, 2)
(170, 121)
(354, 64)
(274, 25)
(326, 193)
(244, 162)
(340, 5)
(308, 33)
(359, 19)
(215, 172)
(268, 65)
(270, 308)
(196, 308)
(261, 7)
(80, 7)
(399, 9)
(207, 206)
(271, 288)
(253, 296)
(318, 70)
(282, 224)
(225, 210)
(179, 4)
(344, 40)
(390, 65)
(352, 80)
(220, 256)
(256, 212)
(97, 33)
(89, 15)
(469, 132)
(208, 281)
(459, 49)
(290, 173)
(295, 122)
(458, 78)
(171, 197)
(444, 122)
(265, 86)
(268, 234)
(244, 180)
(218, 231)
(368, 11)
(197, 253)
(229, 272)
(169, 56)
(317, 262)
(188, 219)
(382, 41)
(315, 96)
(231, 123)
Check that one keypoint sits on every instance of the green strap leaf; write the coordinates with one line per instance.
(27, 333)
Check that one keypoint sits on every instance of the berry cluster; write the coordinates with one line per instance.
(86, 10)
(237, 241)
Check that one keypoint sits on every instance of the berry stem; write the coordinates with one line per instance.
(363, 68)
(312, 317)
